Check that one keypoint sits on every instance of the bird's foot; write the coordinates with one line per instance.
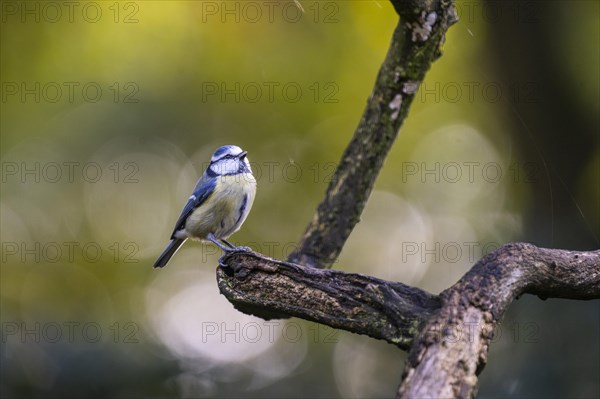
(233, 248)
(230, 251)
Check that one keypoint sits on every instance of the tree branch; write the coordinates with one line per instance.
(414, 47)
(270, 288)
(439, 364)
(451, 332)
(451, 349)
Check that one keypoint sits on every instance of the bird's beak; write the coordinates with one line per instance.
(243, 155)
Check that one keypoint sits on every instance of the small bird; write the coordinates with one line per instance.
(219, 204)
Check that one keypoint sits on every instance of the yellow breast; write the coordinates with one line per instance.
(226, 209)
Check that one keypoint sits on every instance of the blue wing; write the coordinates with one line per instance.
(203, 190)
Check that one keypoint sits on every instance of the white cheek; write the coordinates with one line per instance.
(225, 166)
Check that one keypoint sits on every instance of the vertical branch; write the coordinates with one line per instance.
(415, 45)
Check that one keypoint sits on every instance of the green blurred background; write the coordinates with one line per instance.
(110, 111)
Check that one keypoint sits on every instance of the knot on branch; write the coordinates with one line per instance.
(411, 11)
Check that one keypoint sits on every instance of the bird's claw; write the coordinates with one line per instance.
(239, 249)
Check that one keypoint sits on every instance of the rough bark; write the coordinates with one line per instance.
(451, 349)
(270, 288)
(448, 335)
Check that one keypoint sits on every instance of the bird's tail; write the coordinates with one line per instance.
(164, 258)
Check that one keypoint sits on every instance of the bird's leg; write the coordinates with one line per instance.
(218, 243)
(228, 243)
(227, 250)
(231, 248)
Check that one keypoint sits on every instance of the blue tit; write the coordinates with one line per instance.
(219, 204)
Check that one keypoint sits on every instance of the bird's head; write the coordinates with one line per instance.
(229, 160)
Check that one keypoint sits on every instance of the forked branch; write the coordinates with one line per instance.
(448, 335)
(439, 365)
